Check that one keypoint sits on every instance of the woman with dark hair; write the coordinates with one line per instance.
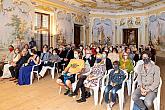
(25, 71)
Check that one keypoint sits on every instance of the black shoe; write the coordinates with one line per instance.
(87, 94)
(81, 100)
(74, 94)
(67, 92)
(70, 94)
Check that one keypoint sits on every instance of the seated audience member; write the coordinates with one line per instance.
(25, 71)
(51, 50)
(44, 57)
(91, 80)
(107, 61)
(69, 54)
(148, 82)
(62, 55)
(98, 50)
(74, 67)
(7, 58)
(136, 55)
(153, 53)
(130, 53)
(114, 56)
(27, 47)
(6, 71)
(89, 62)
(116, 78)
(126, 63)
(106, 49)
(52, 59)
(14, 69)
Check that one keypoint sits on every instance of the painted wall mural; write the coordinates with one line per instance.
(162, 31)
(102, 31)
(157, 35)
(65, 25)
(16, 18)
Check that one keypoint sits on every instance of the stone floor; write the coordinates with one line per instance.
(43, 95)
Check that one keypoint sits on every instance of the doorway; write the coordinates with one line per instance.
(77, 31)
(130, 36)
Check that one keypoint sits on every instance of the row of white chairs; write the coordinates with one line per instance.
(36, 71)
(104, 81)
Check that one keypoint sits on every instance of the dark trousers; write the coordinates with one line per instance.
(14, 71)
(1, 68)
(113, 89)
(80, 84)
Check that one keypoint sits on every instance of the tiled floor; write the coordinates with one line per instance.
(43, 95)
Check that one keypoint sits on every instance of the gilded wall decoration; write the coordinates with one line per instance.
(122, 22)
(138, 21)
(130, 22)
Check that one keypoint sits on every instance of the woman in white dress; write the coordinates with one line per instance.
(6, 71)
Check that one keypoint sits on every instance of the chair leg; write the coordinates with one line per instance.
(101, 95)
(96, 96)
(120, 101)
(52, 73)
(60, 90)
(38, 76)
(156, 105)
(74, 86)
(57, 72)
(129, 86)
(131, 105)
(31, 77)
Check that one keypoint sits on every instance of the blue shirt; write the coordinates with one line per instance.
(117, 78)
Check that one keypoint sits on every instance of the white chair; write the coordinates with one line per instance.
(34, 71)
(96, 91)
(129, 82)
(73, 84)
(120, 92)
(156, 100)
(52, 69)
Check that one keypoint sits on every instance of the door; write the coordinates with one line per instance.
(130, 36)
(77, 35)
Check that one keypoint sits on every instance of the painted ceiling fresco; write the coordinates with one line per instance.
(114, 5)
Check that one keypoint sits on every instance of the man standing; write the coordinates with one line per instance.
(148, 82)
(32, 43)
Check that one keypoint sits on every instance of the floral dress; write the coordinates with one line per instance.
(98, 71)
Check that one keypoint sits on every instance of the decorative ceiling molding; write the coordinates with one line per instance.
(114, 5)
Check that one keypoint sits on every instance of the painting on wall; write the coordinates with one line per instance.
(157, 35)
(64, 27)
(130, 36)
(162, 31)
(102, 31)
(16, 17)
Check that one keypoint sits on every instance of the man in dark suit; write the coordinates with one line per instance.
(15, 68)
(69, 54)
